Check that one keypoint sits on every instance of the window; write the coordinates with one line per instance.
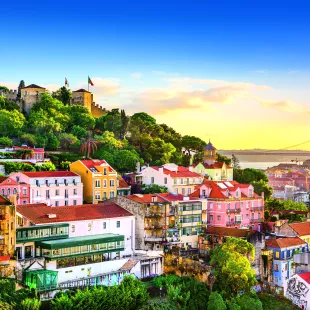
(111, 183)
(247, 216)
(237, 194)
(219, 206)
(165, 180)
(66, 202)
(276, 279)
(104, 195)
(277, 254)
(38, 193)
(97, 195)
(218, 218)
(176, 191)
(75, 191)
(57, 192)
(24, 191)
(211, 205)
(89, 226)
(111, 194)
(104, 225)
(211, 218)
(73, 228)
(66, 193)
(228, 206)
(152, 180)
(56, 203)
(154, 198)
(276, 267)
(2, 192)
(17, 179)
(181, 181)
(183, 191)
(47, 193)
(74, 202)
(37, 183)
(187, 180)
(285, 267)
(14, 191)
(241, 205)
(118, 224)
(188, 191)
(97, 183)
(105, 171)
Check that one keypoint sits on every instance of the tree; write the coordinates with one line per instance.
(235, 162)
(126, 160)
(30, 304)
(6, 141)
(89, 145)
(249, 175)
(81, 116)
(222, 158)
(108, 141)
(67, 139)
(192, 144)
(247, 302)
(160, 152)
(11, 123)
(154, 189)
(63, 94)
(4, 89)
(216, 302)
(79, 131)
(29, 139)
(20, 86)
(233, 271)
(144, 117)
(48, 166)
(125, 123)
(65, 165)
(262, 187)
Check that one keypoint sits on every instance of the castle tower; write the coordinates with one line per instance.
(31, 95)
(209, 154)
(82, 97)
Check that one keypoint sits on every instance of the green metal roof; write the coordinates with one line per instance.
(42, 227)
(40, 271)
(77, 241)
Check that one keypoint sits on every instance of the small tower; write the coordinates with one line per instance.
(209, 154)
(30, 95)
(82, 97)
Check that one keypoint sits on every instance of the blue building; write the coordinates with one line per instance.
(283, 250)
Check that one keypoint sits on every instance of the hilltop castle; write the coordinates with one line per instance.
(31, 94)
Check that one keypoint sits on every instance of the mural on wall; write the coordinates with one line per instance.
(297, 292)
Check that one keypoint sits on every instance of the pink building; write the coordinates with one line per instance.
(37, 153)
(9, 187)
(230, 204)
(55, 188)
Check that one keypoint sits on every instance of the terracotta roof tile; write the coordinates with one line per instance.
(38, 213)
(128, 265)
(2, 179)
(93, 163)
(305, 276)
(181, 173)
(302, 229)
(122, 183)
(50, 174)
(145, 198)
(231, 232)
(33, 86)
(284, 242)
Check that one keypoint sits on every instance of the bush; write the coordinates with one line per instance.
(30, 304)
(6, 141)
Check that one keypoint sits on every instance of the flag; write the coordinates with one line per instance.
(66, 82)
(90, 82)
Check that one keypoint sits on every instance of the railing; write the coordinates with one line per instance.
(153, 239)
(233, 223)
(151, 227)
(154, 215)
(256, 220)
(238, 210)
(257, 208)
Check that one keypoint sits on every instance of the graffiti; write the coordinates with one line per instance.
(297, 292)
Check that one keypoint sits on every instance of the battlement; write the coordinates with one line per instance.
(10, 95)
(97, 110)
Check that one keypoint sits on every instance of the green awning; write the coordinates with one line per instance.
(78, 241)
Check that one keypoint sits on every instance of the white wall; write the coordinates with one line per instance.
(159, 178)
(298, 291)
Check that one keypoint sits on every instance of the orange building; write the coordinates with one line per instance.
(98, 177)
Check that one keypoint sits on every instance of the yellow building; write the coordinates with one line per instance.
(98, 177)
(82, 97)
(7, 227)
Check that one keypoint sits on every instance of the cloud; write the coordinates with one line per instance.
(102, 86)
(9, 85)
(51, 87)
(136, 75)
(283, 106)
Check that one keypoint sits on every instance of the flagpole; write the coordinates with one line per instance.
(88, 83)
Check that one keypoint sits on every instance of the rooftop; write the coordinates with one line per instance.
(33, 86)
(302, 229)
(4, 201)
(209, 147)
(39, 213)
(91, 164)
(122, 183)
(284, 242)
(50, 174)
(305, 276)
(181, 172)
(231, 232)
(145, 198)
(81, 90)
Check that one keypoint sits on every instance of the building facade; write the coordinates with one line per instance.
(30, 95)
(230, 204)
(56, 188)
(283, 250)
(177, 179)
(14, 190)
(98, 177)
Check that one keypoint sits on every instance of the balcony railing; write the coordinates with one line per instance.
(154, 227)
(257, 208)
(156, 215)
(153, 239)
(256, 220)
(233, 223)
(237, 210)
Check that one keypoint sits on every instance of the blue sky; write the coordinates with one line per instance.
(138, 50)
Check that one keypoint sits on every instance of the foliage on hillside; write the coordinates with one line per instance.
(120, 139)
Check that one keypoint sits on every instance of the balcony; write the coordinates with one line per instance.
(155, 227)
(256, 220)
(3, 217)
(233, 223)
(237, 210)
(44, 232)
(257, 208)
(153, 239)
(81, 246)
(154, 215)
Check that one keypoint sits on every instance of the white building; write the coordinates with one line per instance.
(77, 246)
(177, 179)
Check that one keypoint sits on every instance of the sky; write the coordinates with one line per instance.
(235, 72)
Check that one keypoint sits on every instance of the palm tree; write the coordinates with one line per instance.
(89, 145)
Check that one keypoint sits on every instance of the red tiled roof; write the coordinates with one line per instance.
(284, 242)
(128, 265)
(232, 232)
(4, 201)
(181, 173)
(172, 197)
(302, 229)
(2, 179)
(4, 258)
(122, 183)
(216, 165)
(305, 276)
(93, 163)
(50, 174)
(36, 150)
(38, 213)
(144, 198)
